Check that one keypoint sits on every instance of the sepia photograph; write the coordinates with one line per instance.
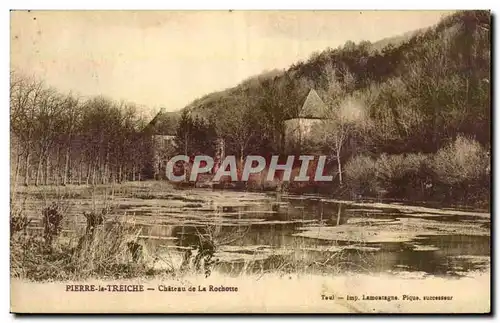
(259, 161)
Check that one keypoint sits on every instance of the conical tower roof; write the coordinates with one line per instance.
(313, 107)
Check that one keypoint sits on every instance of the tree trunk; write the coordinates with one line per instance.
(94, 171)
(240, 168)
(89, 172)
(16, 176)
(338, 214)
(18, 162)
(56, 171)
(80, 172)
(104, 173)
(282, 140)
(93, 174)
(339, 167)
(120, 173)
(27, 169)
(105, 177)
(66, 166)
(47, 169)
(38, 170)
(99, 172)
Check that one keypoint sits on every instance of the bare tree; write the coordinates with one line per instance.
(70, 118)
(343, 116)
(47, 126)
(24, 98)
(238, 125)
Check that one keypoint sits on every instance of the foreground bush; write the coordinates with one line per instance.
(463, 160)
(462, 171)
(396, 176)
(403, 175)
(457, 173)
(361, 176)
(103, 250)
(106, 255)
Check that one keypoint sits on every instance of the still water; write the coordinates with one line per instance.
(273, 232)
(263, 232)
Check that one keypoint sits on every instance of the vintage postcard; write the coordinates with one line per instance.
(250, 161)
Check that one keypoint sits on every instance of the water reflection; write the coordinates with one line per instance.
(282, 218)
(264, 232)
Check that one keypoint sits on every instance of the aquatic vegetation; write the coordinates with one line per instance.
(103, 231)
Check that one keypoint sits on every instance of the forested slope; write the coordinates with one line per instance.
(416, 95)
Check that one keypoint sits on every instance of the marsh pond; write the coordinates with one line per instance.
(259, 232)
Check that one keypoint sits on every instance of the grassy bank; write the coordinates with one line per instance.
(72, 233)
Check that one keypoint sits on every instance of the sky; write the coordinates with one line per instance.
(169, 58)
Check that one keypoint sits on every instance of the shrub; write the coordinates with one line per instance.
(403, 175)
(460, 161)
(111, 250)
(462, 171)
(19, 221)
(104, 250)
(360, 174)
(52, 223)
(459, 171)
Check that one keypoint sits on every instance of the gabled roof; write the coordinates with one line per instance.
(164, 123)
(313, 107)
